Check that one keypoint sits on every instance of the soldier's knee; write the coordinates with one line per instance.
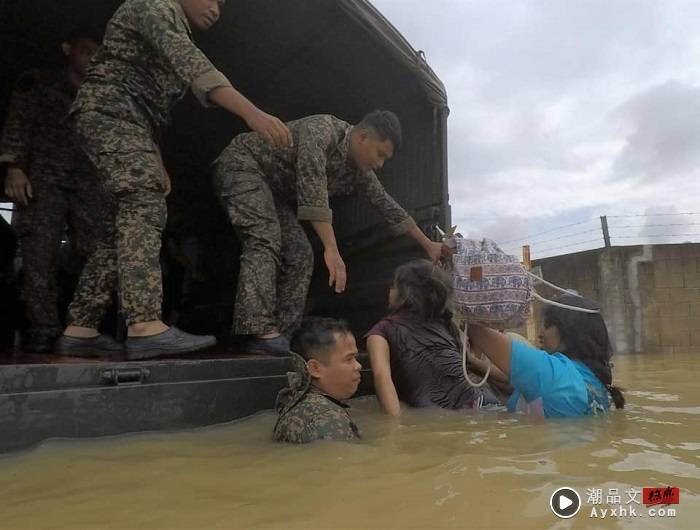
(263, 243)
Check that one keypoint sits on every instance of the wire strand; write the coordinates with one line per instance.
(564, 236)
(655, 226)
(546, 232)
(596, 240)
(655, 235)
(651, 215)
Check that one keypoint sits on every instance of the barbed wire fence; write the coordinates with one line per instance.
(606, 231)
(596, 232)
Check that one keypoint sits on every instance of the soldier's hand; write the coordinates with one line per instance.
(167, 186)
(17, 186)
(271, 128)
(336, 269)
(435, 251)
(447, 251)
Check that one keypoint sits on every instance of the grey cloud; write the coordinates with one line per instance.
(533, 85)
(663, 132)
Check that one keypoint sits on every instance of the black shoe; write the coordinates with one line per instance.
(172, 341)
(98, 346)
(276, 346)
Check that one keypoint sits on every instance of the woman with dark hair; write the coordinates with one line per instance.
(415, 351)
(570, 376)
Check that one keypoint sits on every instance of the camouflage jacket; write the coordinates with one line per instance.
(146, 63)
(36, 136)
(306, 414)
(315, 168)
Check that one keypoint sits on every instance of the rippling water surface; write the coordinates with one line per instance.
(430, 469)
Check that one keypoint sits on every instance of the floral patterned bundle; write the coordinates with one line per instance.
(490, 287)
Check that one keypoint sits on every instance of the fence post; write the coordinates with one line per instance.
(606, 231)
(530, 325)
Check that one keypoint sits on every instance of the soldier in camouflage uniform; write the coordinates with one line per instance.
(51, 181)
(146, 64)
(326, 372)
(267, 191)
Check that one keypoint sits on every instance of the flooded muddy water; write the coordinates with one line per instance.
(428, 469)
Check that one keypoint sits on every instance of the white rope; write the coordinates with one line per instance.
(557, 288)
(565, 306)
(549, 284)
(465, 349)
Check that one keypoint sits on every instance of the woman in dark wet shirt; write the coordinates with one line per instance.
(415, 351)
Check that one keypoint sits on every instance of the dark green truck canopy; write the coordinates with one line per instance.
(293, 58)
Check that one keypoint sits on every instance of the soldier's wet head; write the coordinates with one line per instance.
(202, 14)
(327, 371)
(374, 140)
(330, 351)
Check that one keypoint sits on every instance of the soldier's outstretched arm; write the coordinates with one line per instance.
(337, 274)
(272, 129)
(162, 29)
(399, 221)
(433, 249)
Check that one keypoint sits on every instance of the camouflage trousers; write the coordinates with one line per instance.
(276, 258)
(127, 258)
(40, 230)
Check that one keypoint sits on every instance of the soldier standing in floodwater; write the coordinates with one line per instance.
(326, 372)
(267, 191)
(146, 64)
(50, 180)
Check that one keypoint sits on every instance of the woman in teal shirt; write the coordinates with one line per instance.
(571, 376)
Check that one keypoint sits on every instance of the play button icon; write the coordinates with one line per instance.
(565, 503)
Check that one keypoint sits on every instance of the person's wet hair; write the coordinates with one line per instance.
(422, 291)
(386, 125)
(584, 337)
(316, 338)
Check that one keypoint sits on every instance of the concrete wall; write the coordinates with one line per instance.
(649, 295)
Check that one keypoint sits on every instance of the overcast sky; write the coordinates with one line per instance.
(562, 111)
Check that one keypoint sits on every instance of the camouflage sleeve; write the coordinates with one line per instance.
(399, 221)
(163, 29)
(313, 139)
(15, 144)
(333, 424)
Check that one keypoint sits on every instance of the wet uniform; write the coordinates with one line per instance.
(266, 191)
(146, 64)
(306, 414)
